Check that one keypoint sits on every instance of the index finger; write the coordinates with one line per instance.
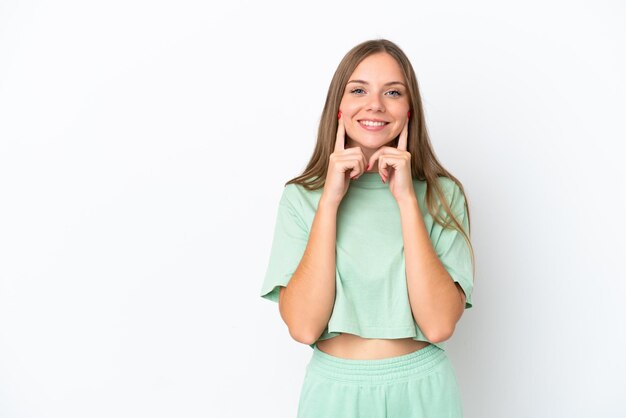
(402, 141)
(340, 139)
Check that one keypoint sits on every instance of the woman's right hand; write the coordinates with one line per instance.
(343, 165)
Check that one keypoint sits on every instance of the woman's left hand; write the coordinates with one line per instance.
(394, 167)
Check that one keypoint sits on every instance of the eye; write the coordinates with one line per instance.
(354, 90)
(398, 94)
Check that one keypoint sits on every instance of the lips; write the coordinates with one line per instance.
(372, 124)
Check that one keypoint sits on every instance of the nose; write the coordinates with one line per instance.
(375, 104)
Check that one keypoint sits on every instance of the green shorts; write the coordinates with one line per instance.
(421, 384)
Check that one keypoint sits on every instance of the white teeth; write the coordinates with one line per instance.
(370, 123)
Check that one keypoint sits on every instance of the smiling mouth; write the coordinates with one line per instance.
(372, 123)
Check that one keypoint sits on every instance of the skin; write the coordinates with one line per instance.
(374, 100)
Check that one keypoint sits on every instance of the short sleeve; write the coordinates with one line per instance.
(288, 244)
(452, 248)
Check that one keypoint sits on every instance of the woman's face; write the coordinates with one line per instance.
(376, 92)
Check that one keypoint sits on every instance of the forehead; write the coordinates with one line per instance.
(378, 67)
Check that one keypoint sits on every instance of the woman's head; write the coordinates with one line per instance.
(378, 62)
(375, 103)
(361, 61)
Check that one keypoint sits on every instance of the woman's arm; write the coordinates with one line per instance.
(437, 302)
(306, 303)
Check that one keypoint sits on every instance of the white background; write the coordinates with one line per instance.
(144, 147)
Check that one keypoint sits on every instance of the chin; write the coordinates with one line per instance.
(370, 141)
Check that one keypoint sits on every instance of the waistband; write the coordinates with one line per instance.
(413, 365)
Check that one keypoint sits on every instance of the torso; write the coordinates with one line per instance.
(350, 346)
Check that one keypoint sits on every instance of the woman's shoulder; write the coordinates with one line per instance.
(446, 184)
(296, 192)
(449, 187)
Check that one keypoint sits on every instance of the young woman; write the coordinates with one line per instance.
(371, 261)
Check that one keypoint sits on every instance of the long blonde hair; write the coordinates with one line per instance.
(424, 163)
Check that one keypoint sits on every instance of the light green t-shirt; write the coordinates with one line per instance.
(371, 298)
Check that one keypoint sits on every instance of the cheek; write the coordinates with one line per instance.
(347, 105)
(351, 126)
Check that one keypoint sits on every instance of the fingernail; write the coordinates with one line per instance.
(368, 167)
(381, 177)
(339, 115)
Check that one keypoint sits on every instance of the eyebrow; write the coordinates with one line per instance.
(386, 84)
